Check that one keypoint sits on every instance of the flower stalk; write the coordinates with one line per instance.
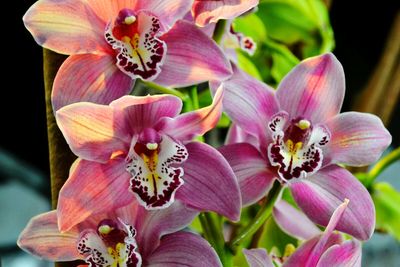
(381, 165)
(60, 156)
(263, 214)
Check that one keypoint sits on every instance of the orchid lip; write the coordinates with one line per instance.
(113, 244)
(135, 37)
(152, 162)
(296, 147)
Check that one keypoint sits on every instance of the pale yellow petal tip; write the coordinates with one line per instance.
(346, 201)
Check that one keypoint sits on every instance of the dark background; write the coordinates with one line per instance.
(360, 31)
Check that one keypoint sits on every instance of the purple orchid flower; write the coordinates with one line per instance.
(296, 135)
(129, 236)
(326, 249)
(112, 43)
(140, 147)
(205, 11)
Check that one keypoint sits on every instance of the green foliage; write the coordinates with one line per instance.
(387, 200)
(273, 238)
(302, 24)
(286, 31)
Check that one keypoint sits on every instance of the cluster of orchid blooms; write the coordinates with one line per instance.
(141, 177)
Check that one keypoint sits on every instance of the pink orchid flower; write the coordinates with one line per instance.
(140, 147)
(326, 249)
(129, 236)
(210, 11)
(112, 43)
(296, 135)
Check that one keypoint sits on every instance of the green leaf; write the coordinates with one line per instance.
(282, 60)
(252, 26)
(301, 24)
(248, 66)
(387, 200)
(274, 237)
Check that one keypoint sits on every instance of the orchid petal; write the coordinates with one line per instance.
(314, 89)
(89, 77)
(293, 221)
(319, 195)
(321, 246)
(42, 238)
(249, 103)
(66, 27)
(304, 253)
(347, 254)
(192, 58)
(168, 11)
(311, 251)
(357, 139)
(238, 135)
(108, 10)
(142, 112)
(210, 11)
(257, 257)
(92, 131)
(183, 249)
(188, 125)
(152, 225)
(251, 170)
(93, 188)
(210, 183)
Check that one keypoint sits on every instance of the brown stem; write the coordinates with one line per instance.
(383, 89)
(381, 93)
(60, 156)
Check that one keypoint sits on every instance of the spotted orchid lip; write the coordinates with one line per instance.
(113, 244)
(135, 37)
(295, 149)
(152, 164)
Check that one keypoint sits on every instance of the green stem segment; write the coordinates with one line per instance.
(212, 227)
(219, 30)
(165, 90)
(383, 164)
(263, 214)
(60, 156)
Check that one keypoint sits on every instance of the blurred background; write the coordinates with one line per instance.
(361, 31)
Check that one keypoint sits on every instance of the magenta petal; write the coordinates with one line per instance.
(238, 135)
(294, 222)
(42, 238)
(347, 254)
(92, 131)
(210, 183)
(314, 89)
(152, 225)
(183, 249)
(249, 102)
(357, 139)
(89, 77)
(142, 112)
(210, 11)
(93, 188)
(192, 57)
(307, 255)
(67, 27)
(188, 125)
(168, 11)
(319, 195)
(257, 257)
(251, 170)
